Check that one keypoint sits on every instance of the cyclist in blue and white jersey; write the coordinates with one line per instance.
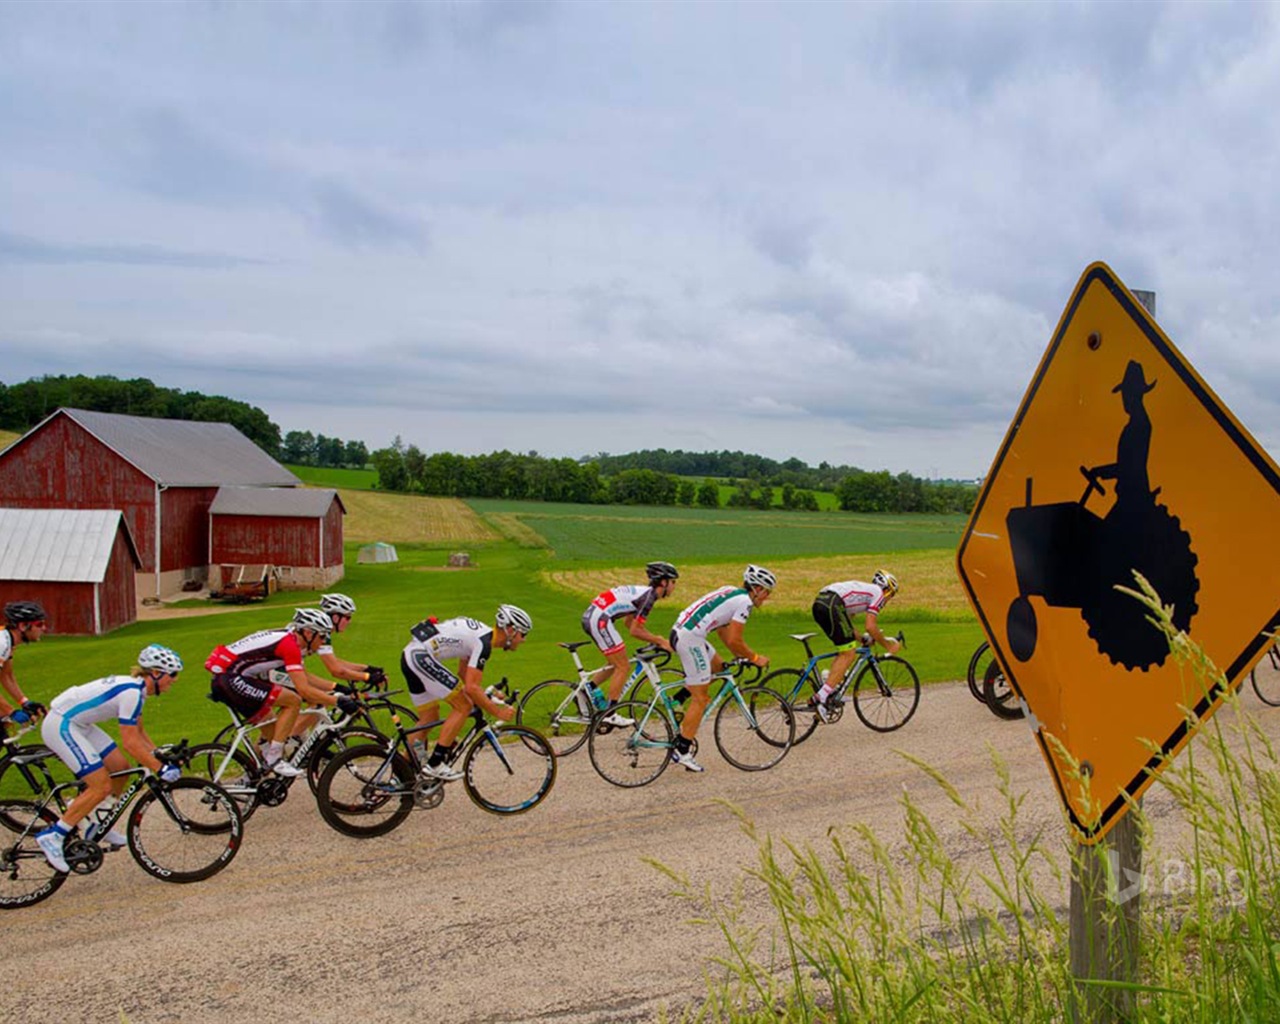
(71, 730)
(469, 643)
(632, 604)
(833, 611)
(25, 623)
(724, 611)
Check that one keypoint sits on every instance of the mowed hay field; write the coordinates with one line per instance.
(410, 519)
(928, 580)
(7, 437)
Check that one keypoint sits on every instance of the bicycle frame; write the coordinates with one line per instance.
(663, 704)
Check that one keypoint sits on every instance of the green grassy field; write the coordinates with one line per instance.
(545, 582)
(350, 479)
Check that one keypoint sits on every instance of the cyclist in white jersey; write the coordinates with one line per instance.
(71, 730)
(469, 643)
(25, 623)
(724, 611)
(341, 610)
(833, 611)
(632, 604)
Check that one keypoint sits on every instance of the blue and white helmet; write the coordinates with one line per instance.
(160, 659)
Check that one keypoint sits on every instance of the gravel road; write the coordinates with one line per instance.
(462, 916)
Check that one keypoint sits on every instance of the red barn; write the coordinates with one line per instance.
(297, 530)
(79, 564)
(162, 474)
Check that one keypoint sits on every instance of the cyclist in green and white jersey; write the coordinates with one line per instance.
(724, 611)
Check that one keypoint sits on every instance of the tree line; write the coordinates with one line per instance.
(24, 405)
(531, 477)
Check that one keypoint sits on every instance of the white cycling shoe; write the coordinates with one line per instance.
(690, 765)
(442, 772)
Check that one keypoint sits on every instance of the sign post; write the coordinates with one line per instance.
(1119, 459)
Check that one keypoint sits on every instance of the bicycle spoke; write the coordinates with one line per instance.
(886, 693)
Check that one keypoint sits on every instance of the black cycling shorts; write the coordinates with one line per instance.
(832, 616)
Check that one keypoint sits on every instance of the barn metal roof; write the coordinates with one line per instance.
(302, 502)
(64, 545)
(184, 453)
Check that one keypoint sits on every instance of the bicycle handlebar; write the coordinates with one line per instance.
(660, 656)
(174, 753)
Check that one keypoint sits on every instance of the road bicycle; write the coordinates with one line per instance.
(999, 695)
(235, 761)
(1265, 677)
(885, 688)
(368, 790)
(562, 711)
(754, 729)
(977, 671)
(182, 831)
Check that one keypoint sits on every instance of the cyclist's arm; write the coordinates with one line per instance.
(10, 682)
(873, 627)
(635, 626)
(138, 745)
(343, 669)
(317, 692)
(473, 689)
(732, 636)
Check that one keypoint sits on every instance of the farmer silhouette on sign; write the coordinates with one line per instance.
(1073, 558)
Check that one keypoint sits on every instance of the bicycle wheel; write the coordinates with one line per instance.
(999, 695)
(26, 877)
(326, 747)
(235, 771)
(365, 793)
(633, 755)
(978, 670)
(185, 831)
(790, 684)
(508, 769)
(1265, 678)
(755, 728)
(26, 779)
(551, 707)
(642, 692)
(886, 693)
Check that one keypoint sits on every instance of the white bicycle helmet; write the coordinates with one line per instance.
(160, 658)
(759, 576)
(886, 581)
(511, 617)
(337, 604)
(313, 619)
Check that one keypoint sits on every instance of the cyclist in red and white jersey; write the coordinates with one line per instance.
(242, 678)
(469, 643)
(632, 604)
(724, 611)
(25, 623)
(72, 729)
(833, 611)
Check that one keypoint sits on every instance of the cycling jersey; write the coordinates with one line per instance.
(625, 600)
(469, 641)
(258, 654)
(859, 597)
(714, 611)
(618, 603)
(6, 646)
(71, 728)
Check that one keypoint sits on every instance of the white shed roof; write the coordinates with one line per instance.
(301, 502)
(64, 545)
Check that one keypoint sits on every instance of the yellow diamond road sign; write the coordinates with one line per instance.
(1120, 458)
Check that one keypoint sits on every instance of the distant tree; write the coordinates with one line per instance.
(686, 493)
(389, 465)
(355, 454)
(299, 448)
(708, 494)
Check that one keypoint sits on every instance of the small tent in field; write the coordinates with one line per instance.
(377, 552)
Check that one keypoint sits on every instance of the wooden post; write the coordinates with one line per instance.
(1106, 901)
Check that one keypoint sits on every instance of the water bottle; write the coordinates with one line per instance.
(100, 814)
(597, 697)
(825, 672)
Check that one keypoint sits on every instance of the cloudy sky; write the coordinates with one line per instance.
(843, 232)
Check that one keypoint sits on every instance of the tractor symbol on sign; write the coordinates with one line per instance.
(1073, 558)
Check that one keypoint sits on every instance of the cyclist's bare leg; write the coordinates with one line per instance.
(694, 709)
(287, 706)
(620, 670)
(98, 785)
(460, 708)
(839, 666)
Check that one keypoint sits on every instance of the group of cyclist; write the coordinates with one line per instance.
(263, 676)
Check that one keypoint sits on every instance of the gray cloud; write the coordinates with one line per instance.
(21, 249)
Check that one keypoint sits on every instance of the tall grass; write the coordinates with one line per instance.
(919, 928)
